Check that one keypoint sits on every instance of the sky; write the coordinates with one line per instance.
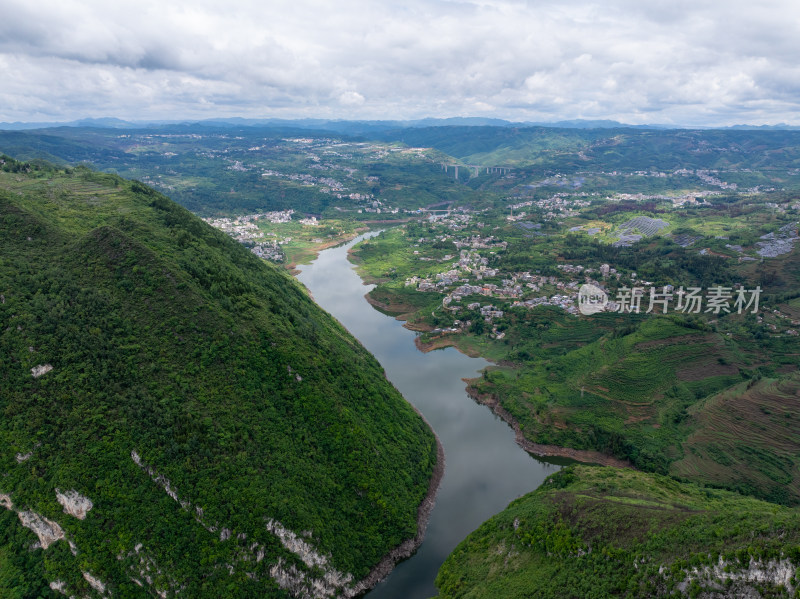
(675, 62)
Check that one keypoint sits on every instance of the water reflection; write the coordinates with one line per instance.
(485, 469)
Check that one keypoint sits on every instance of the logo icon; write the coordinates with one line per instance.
(591, 299)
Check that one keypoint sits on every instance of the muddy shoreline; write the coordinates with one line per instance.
(393, 309)
(586, 456)
(442, 342)
(292, 266)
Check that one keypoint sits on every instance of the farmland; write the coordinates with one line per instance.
(632, 384)
(745, 437)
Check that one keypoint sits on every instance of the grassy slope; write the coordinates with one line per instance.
(168, 338)
(600, 532)
(746, 438)
(671, 399)
(620, 394)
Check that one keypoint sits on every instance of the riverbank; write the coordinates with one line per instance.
(586, 456)
(397, 311)
(580, 455)
(485, 468)
(307, 255)
(407, 548)
(440, 343)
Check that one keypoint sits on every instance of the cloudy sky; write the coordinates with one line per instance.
(682, 62)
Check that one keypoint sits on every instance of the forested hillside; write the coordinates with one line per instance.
(606, 532)
(177, 416)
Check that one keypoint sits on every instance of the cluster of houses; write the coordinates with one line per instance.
(455, 221)
(605, 270)
(327, 184)
(237, 166)
(780, 316)
(244, 228)
(707, 176)
(478, 242)
(565, 301)
(560, 205)
(694, 197)
(710, 179)
(238, 229)
(470, 262)
(269, 251)
(463, 280)
(377, 206)
(512, 288)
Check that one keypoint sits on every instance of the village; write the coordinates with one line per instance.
(244, 228)
(467, 275)
(246, 231)
(559, 205)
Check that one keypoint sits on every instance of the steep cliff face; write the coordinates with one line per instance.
(593, 531)
(155, 436)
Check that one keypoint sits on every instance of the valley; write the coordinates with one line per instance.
(481, 241)
(484, 469)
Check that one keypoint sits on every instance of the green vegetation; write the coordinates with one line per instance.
(604, 532)
(224, 170)
(624, 148)
(640, 397)
(487, 257)
(646, 388)
(281, 237)
(129, 325)
(745, 438)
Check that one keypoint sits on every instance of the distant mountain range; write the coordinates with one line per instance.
(361, 127)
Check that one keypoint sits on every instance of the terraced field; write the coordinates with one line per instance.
(641, 377)
(748, 438)
(630, 395)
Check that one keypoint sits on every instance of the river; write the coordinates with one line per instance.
(485, 468)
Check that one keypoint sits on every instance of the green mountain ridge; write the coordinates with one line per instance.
(592, 532)
(570, 150)
(230, 438)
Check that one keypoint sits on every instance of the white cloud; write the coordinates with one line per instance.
(351, 98)
(684, 62)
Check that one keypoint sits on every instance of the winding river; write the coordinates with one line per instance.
(485, 468)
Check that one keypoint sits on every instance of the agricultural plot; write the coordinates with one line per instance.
(640, 377)
(644, 224)
(685, 240)
(778, 243)
(747, 438)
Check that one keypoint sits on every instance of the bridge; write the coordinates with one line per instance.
(475, 170)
